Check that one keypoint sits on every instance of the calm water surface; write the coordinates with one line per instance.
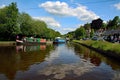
(56, 62)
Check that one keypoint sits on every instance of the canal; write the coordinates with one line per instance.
(56, 62)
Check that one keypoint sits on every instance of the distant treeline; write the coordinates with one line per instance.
(88, 29)
(12, 23)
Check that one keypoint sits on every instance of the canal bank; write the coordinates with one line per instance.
(13, 43)
(7, 43)
(108, 49)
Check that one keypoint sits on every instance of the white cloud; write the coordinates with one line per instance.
(66, 30)
(51, 22)
(117, 6)
(2, 6)
(63, 9)
(104, 21)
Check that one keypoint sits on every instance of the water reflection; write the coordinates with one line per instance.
(94, 57)
(25, 48)
(58, 61)
(13, 59)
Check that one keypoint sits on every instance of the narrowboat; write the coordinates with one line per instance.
(31, 41)
(59, 40)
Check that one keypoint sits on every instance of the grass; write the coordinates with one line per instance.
(7, 43)
(103, 45)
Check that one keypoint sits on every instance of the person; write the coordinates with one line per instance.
(17, 37)
(24, 39)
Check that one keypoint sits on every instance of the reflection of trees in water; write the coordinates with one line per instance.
(88, 54)
(8, 61)
(29, 48)
(94, 57)
(11, 61)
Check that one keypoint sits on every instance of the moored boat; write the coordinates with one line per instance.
(59, 40)
(31, 41)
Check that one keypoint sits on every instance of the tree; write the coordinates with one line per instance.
(53, 34)
(80, 32)
(25, 22)
(109, 24)
(87, 26)
(8, 22)
(114, 24)
(71, 35)
(104, 25)
(92, 33)
(115, 21)
(13, 23)
(96, 24)
(39, 28)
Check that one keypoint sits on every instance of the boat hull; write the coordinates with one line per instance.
(30, 41)
(59, 41)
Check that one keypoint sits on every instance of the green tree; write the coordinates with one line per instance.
(80, 33)
(109, 24)
(92, 33)
(53, 34)
(87, 26)
(39, 28)
(104, 25)
(12, 23)
(8, 22)
(70, 35)
(114, 24)
(35, 27)
(25, 22)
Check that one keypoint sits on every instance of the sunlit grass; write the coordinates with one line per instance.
(103, 45)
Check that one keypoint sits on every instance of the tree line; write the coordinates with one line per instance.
(12, 23)
(88, 29)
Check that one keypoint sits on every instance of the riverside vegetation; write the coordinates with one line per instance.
(110, 49)
(13, 23)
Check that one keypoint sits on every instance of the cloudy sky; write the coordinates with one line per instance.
(67, 15)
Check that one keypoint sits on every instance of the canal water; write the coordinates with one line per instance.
(56, 62)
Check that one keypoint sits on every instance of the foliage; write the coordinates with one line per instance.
(13, 23)
(80, 33)
(52, 34)
(104, 25)
(103, 45)
(96, 24)
(114, 24)
(8, 23)
(70, 35)
(25, 22)
(87, 26)
(92, 33)
(34, 27)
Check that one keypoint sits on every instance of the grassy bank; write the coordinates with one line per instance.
(7, 43)
(102, 45)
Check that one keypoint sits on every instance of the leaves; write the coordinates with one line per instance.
(8, 22)
(80, 32)
(12, 23)
(96, 24)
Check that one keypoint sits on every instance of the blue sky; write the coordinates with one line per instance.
(67, 15)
